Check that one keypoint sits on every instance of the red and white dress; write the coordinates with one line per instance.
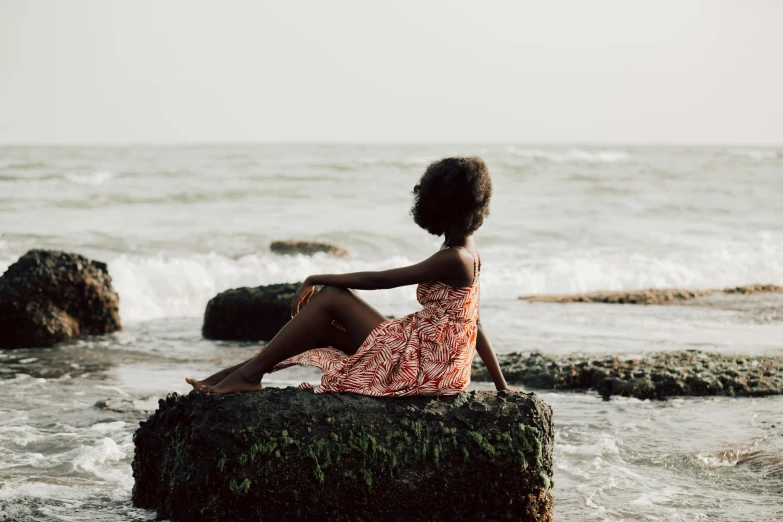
(428, 352)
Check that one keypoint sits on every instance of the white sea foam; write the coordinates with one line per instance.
(107, 427)
(571, 155)
(411, 162)
(606, 446)
(23, 380)
(94, 460)
(167, 286)
(711, 461)
(29, 500)
(754, 153)
(152, 287)
(180, 286)
(19, 435)
(10, 491)
(94, 178)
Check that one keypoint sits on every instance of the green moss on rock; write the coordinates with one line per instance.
(287, 454)
(654, 376)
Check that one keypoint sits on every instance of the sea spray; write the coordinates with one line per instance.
(161, 286)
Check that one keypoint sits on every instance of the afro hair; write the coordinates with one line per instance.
(452, 197)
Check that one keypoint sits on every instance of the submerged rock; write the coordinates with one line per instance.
(249, 314)
(652, 296)
(655, 376)
(49, 296)
(288, 454)
(754, 289)
(308, 248)
(760, 307)
(119, 405)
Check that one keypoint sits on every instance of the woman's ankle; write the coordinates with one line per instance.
(248, 375)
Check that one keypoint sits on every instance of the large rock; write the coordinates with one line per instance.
(287, 454)
(49, 296)
(307, 248)
(249, 314)
(654, 376)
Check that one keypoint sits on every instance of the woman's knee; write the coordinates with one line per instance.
(331, 295)
(335, 291)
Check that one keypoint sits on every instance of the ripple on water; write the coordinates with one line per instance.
(682, 459)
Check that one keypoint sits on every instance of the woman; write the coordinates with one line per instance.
(428, 352)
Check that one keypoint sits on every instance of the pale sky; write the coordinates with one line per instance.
(598, 71)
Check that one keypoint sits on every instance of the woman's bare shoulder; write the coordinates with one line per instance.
(460, 265)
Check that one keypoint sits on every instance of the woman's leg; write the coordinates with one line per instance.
(332, 336)
(307, 331)
(215, 378)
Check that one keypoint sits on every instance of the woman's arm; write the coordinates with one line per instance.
(446, 264)
(488, 357)
(487, 354)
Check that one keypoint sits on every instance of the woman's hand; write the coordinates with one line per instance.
(509, 388)
(302, 296)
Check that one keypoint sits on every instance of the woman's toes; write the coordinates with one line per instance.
(197, 385)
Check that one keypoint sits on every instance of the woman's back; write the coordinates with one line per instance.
(457, 303)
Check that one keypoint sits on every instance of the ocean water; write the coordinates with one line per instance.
(179, 224)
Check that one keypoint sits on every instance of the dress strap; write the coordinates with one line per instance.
(476, 265)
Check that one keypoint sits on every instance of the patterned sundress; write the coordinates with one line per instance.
(428, 352)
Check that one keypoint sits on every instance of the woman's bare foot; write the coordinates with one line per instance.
(209, 381)
(232, 384)
(197, 385)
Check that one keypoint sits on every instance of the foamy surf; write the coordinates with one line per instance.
(174, 286)
(153, 287)
(570, 155)
(757, 154)
(95, 178)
